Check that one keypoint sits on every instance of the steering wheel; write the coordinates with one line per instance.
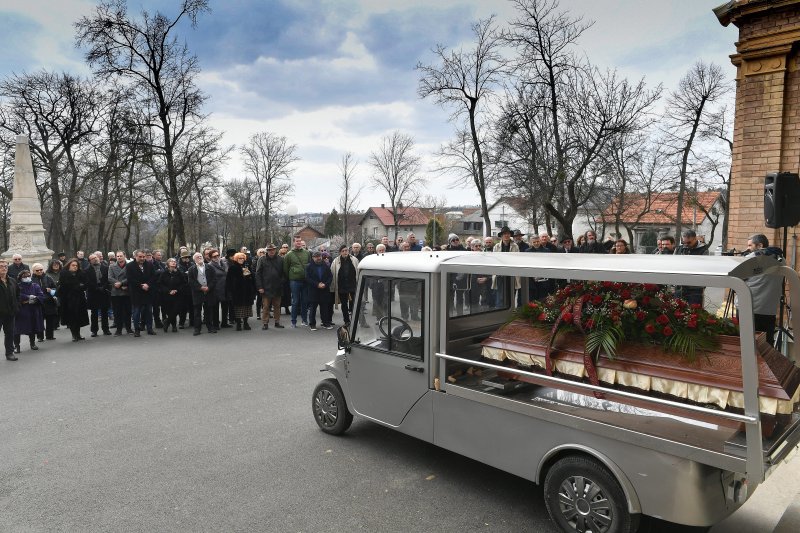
(401, 333)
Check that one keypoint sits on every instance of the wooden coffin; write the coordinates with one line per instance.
(714, 378)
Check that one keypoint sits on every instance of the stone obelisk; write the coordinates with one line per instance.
(27, 231)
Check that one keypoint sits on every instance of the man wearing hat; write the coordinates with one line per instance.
(269, 283)
(454, 243)
(567, 245)
(506, 244)
(520, 242)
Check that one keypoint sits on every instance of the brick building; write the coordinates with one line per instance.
(767, 125)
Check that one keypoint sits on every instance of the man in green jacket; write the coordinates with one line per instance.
(294, 267)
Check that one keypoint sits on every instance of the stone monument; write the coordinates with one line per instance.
(26, 235)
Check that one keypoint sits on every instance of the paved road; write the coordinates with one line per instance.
(214, 433)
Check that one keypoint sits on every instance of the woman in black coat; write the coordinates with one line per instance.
(240, 289)
(172, 285)
(72, 295)
(50, 305)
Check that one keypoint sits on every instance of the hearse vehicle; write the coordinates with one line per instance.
(418, 358)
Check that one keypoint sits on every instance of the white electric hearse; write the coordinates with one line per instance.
(420, 318)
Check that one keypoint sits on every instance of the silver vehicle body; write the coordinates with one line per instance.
(696, 480)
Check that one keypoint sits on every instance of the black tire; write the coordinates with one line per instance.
(582, 495)
(329, 408)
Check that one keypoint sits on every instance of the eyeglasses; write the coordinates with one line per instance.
(39, 270)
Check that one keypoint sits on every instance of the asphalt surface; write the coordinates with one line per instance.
(215, 433)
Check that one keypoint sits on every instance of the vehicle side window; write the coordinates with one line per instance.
(391, 315)
(470, 294)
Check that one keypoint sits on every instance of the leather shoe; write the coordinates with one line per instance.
(106, 332)
(34, 347)
(118, 333)
(196, 333)
(151, 332)
(94, 334)
(11, 357)
(137, 334)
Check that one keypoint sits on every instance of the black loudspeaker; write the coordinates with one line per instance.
(781, 199)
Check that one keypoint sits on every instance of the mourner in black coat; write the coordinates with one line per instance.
(171, 286)
(50, 305)
(71, 293)
(202, 280)
(142, 287)
(98, 294)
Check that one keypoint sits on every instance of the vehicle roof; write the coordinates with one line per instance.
(409, 261)
(739, 267)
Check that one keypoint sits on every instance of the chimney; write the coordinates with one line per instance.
(383, 206)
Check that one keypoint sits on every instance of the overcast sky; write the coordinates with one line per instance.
(336, 75)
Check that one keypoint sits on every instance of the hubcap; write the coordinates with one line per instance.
(584, 505)
(326, 409)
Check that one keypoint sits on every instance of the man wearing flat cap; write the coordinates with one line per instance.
(567, 245)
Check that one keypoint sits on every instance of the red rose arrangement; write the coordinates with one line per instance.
(611, 312)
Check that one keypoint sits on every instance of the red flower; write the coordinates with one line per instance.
(608, 284)
(650, 329)
(567, 317)
(542, 316)
(532, 305)
(711, 321)
(640, 316)
(646, 300)
(662, 319)
(667, 331)
(597, 300)
(696, 306)
(625, 294)
(692, 324)
(650, 287)
(589, 324)
(735, 321)
(678, 315)
(681, 303)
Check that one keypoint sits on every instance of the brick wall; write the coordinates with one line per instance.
(767, 124)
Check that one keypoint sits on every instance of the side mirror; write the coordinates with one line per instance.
(343, 337)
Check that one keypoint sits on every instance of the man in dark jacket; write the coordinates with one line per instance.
(16, 267)
(269, 284)
(142, 286)
(158, 268)
(690, 245)
(319, 278)
(202, 280)
(9, 305)
(343, 286)
(98, 293)
(591, 246)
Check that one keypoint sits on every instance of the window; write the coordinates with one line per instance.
(375, 232)
(477, 226)
(470, 294)
(500, 223)
(393, 318)
(467, 226)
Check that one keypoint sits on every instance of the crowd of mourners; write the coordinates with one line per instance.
(115, 295)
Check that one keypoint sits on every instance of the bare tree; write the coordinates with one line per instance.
(241, 197)
(465, 79)
(269, 159)
(396, 172)
(348, 201)
(699, 89)
(147, 53)
(577, 108)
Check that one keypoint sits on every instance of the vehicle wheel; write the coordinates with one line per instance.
(582, 496)
(330, 409)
